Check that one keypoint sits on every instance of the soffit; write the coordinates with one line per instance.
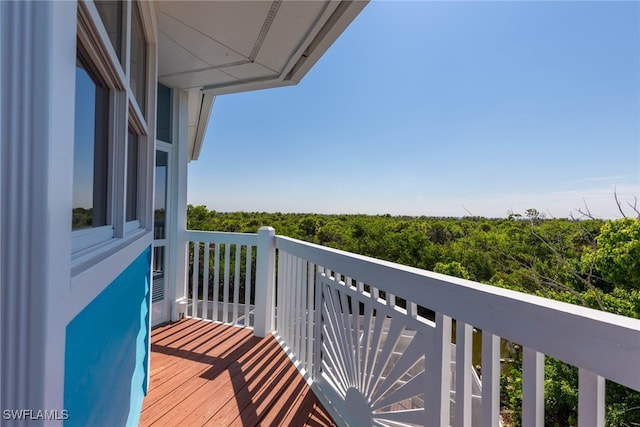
(231, 46)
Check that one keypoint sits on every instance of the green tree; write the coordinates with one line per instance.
(453, 268)
(617, 253)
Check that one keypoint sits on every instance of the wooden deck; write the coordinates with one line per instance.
(205, 373)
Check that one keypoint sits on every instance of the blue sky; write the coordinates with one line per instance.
(445, 109)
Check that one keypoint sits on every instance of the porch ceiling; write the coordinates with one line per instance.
(232, 46)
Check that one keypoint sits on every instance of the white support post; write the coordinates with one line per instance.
(590, 399)
(37, 80)
(490, 379)
(532, 388)
(439, 365)
(265, 282)
(178, 204)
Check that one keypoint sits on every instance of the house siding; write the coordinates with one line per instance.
(107, 352)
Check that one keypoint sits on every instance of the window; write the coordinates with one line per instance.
(90, 152)
(111, 16)
(163, 118)
(159, 213)
(132, 176)
(138, 64)
(111, 146)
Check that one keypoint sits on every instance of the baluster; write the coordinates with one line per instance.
(302, 349)
(216, 282)
(464, 365)
(412, 310)
(236, 283)
(310, 316)
(287, 296)
(590, 399)
(490, 379)
(195, 277)
(317, 330)
(205, 282)
(375, 293)
(532, 388)
(225, 291)
(391, 300)
(296, 306)
(247, 287)
(289, 305)
(281, 291)
(438, 366)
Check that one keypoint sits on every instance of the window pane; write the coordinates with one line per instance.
(163, 121)
(138, 58)
(158, 274)
(90, 159)
(160, 196)
(132, 176)
(111, 15)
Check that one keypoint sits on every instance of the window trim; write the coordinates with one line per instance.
(131, 226)
(124, 113)
(87, 237)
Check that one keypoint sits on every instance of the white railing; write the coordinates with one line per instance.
(374, 338)
(221, 282)
(357, 329)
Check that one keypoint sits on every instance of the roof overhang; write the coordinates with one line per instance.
(220, 47)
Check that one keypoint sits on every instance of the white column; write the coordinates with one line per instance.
(265, 282)
(178, 232)
(37, 85)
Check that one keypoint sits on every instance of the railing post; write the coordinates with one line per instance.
(265, 282)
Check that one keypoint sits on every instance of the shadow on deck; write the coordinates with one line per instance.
(205, 373)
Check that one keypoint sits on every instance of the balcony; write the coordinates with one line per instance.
(206, 373)
(377, 343)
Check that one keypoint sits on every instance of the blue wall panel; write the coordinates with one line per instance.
(107, 352)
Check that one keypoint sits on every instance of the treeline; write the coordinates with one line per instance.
(594, 263)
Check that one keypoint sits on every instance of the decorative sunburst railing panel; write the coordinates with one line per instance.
(371, 357)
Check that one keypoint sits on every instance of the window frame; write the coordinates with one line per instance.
(124, 114)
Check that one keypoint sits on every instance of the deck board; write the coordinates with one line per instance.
(205, 373)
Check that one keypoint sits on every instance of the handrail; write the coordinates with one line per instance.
(222, 237)
(593, 340)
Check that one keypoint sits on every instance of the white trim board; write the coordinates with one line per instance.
(88, 284)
